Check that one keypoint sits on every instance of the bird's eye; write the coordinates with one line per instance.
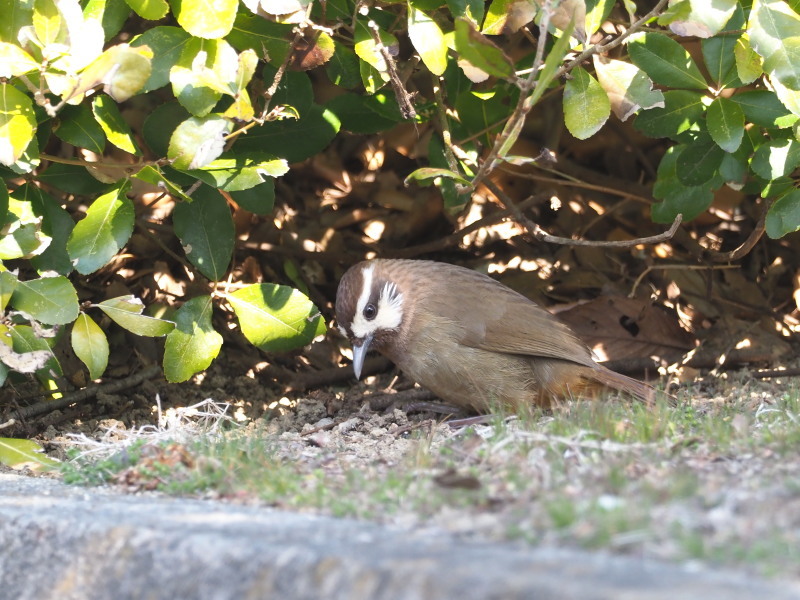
(370, 311)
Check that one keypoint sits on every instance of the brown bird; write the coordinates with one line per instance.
(469, 339)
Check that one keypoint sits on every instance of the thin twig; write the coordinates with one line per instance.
(541, 235)
(403, 97)
(643, 274)
(41, 408)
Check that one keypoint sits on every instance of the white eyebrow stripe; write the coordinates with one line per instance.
(389, 310)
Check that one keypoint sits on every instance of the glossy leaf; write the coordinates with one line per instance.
(121, 69)
(17, 123)
(629, 89)
(774, 30)
(167, 44)
(763, 108)
(699, 162)
(784, 215)
(193, 344)
(194, 77)
(776, 158)
(114, 126)
(428, 40)
(259, 200)
(198, 141)
(79, 127)
(49, 300)
(586, 104)
(152, 10)
(428, 175)
(665, 61)
(17, 453)
(8, 283)
(702, 18)
(22, 232)
(725, 120)
(205, 228)
(103, 231)
(14, 61)
(293, 139)
(126, 311)
(90, 345)
(749, 64)
(682, 111)
(676, 198)
(57, 223)
(276, 318)
(480, 52)
(206, 19)
(237, 172)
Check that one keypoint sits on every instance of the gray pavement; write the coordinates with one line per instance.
(65, 542)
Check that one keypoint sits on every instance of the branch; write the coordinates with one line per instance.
(541, 235)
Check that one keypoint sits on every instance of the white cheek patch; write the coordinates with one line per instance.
(390, 309)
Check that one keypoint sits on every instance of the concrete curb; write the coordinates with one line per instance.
(63, 542)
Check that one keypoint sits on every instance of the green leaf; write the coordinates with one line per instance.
(56, 223)
(205, 228)
(72, 179)
(365, 46)
(342, 69)
(237, 172)
(167, 44)
(682, 111)
(699, 162)
(484, 113)
(17, 453)
(690, 201)
(293, 139)
(360, 114)
(586, 104)
(259, 200)
(78, 127)
(152, 10)
(294, 89)
(774, 30)
(763, 108)
(719, 56)
(14, 61)
(665, 61)
(749, 65)
(428, 175)
(205, 19)
(703, 18)
(16, 15)
(121, 69)
(17, 123)
(49, 300)
(193, 344)
(276, 318)
(480, 52)
(507, 16)
(270, 41)
(198, 141)
(193, 75)
(161, 124)
(784, 215)
(725, 120)
(23, 236)
(629, 89)
(103, 231)
(156, 177)
(114, 126)
(48, 22)
(126, 311)
(428, 40)
(90, 345)
(776, 158)
(112, 14)
(35, 351)
(8, 283)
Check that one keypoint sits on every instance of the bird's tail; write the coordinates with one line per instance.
(639, 389)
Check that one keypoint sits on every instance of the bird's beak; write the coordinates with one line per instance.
(359, 354)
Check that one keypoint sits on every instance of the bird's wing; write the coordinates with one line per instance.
(512, 324)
